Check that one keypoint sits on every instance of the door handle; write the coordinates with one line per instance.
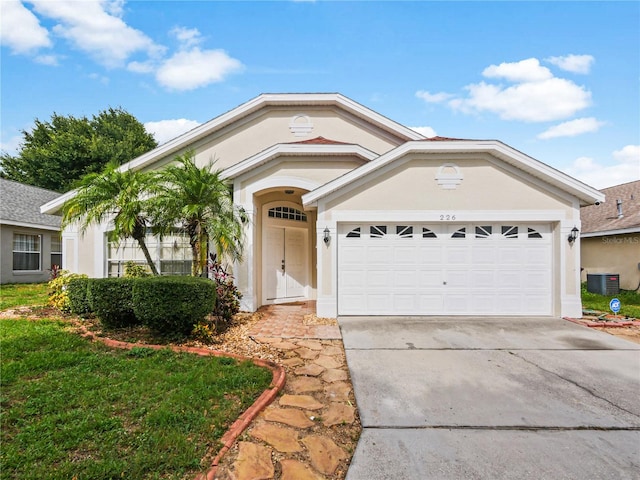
(283, 265)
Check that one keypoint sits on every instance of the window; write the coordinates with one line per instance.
(404, 231)
(355, 233)
(26, 252)
(509, 231)
(532, 233)
(56, 250)
(377, 231)
(460, 233)
(483, 231)
(426, 233)
(171, 255)
(287, 213)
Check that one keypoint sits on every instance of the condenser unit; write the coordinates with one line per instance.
(603, 283)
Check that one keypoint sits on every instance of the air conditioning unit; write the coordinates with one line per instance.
(603, 283)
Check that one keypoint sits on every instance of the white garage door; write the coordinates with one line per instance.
(444, 269)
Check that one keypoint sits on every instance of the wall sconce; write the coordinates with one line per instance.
(327, 236)
(573, 235)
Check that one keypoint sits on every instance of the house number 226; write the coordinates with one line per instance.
(445, 218)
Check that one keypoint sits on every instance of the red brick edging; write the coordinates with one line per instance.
(236, 429)
(592, 324)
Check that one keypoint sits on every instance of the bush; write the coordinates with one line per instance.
(112, 301)
(58, 290)
(135, 270)
(173, 305)
(77, 290)
(227, 294)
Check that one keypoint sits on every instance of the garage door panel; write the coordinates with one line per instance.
(434, 273)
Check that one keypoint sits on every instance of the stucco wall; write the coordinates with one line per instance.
(612, 254)
(7, 275)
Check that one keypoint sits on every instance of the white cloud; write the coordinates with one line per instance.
(188, 70)
(528, 70)
(96, 27)
(20, 29)
(433, 97)
(426, 131)
(573, 63)
(141, 67)
(188, 37)
(165, 130)
(51, 60)
(625, 169)
(11, 145)
(543, 101)
(572, 128)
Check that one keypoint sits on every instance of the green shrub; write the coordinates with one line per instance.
(135, 270)
(173, 305)
(112, 302)
(78, 300)
(58, 290)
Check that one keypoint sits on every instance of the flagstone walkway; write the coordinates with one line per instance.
(310, 431)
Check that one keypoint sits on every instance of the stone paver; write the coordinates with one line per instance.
(324, 453)
(306, 402)
(305, 384)
(334, 375)
(281, 438)
(312, 370)
(338, 414)
(295, 470)
(253, 462)
(294, 433)
(327, 361)
(289, 416)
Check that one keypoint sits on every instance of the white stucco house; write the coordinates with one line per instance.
(368, 217)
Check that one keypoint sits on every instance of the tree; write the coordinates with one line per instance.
(200, 201)
(117, 196)
(56, 154)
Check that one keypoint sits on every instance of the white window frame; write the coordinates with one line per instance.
(56, 252)
(39, 252)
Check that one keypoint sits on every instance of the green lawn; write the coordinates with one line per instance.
(72, 409)
(630, 302)
(22, 294)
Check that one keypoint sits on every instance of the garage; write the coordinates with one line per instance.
(481, 268)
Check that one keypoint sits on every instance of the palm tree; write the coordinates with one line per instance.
(119, 196)
(200, 201)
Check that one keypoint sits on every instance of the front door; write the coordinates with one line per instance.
(285, 275)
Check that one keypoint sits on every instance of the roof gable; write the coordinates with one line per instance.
(604, 217)
(550, 176)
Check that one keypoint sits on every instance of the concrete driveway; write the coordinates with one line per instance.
(521, 398)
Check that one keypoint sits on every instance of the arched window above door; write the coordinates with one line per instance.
(287, 213)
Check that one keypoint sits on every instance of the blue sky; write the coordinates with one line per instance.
(559, 81)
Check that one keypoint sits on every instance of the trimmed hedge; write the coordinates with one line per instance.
(112, 301)
(173, 305)
(77, 289)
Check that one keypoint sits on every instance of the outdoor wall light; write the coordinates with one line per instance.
(573, 235)
(327, 236)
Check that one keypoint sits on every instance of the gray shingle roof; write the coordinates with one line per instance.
(604, 217)
(20, 204)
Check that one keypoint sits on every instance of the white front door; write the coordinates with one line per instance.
(285, 266)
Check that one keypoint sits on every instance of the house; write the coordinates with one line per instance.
(29, 240)
(610, 238)
(368, 217)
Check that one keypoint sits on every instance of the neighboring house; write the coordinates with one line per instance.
(610, 238)
(30, 240)
(369, 217)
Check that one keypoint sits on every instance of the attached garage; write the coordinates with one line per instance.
(444, 269)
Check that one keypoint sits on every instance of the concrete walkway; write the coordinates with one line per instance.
(451, 398)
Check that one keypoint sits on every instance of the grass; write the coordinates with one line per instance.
(630, 302)
(22, 294)
(72, 409)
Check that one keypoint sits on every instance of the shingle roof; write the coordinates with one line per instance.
(20, 204)
(320, 141)
(604, 217)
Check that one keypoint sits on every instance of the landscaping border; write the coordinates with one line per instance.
(243, 421)
(604, 324)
